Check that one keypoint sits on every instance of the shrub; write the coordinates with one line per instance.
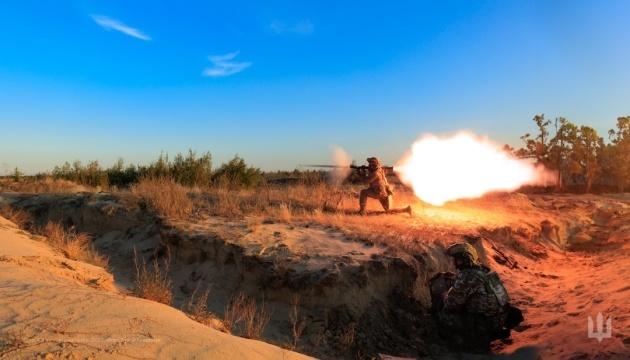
(191, 171)
(17, 175)
(75, 246)
(91, 175)
(153, 284)
(21, 218)
(197, 309)
(120, 176)
(245, 313)
(298, 324)
(236, 175)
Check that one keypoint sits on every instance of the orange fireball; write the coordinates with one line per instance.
(463, 166)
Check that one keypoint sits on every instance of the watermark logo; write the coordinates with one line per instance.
(600, 333)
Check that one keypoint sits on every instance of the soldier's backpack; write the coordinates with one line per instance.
(494, 285)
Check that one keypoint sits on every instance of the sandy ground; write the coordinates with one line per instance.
(52, 307)
(56, 306)
(560, 290)
(561, 296)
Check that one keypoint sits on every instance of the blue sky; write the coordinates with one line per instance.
(281, 82)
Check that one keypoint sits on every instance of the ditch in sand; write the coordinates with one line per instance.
(562, 259)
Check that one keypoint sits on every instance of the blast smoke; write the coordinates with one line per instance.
(337, 175)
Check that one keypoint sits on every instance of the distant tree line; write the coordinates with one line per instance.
(189, 170)
(579, 154)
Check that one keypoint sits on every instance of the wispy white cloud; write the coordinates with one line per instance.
(223, 65)
(303, 27)
(111, 24)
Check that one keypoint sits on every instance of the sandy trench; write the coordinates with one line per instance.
(45, 294)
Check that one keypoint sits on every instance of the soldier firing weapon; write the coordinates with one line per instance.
(373, 175)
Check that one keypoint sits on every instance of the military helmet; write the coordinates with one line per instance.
(374, 160)
(458, 250)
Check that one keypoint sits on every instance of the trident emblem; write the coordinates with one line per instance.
(600, 333)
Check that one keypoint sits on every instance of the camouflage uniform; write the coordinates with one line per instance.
(470, 306)
(475, 307)
(377, 186)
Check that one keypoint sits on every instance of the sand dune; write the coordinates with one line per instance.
(58, 308)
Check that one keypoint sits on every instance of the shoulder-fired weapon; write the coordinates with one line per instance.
(356, 167)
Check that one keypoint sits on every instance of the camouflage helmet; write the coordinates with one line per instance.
(458, 250)
(374, 160)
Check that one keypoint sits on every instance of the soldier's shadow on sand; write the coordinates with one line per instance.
(522, 353)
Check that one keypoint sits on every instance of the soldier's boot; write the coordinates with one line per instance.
(362, 208)
(407, 210)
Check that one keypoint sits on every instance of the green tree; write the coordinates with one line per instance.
(236, 174)
(604, 159)
(17, 174)
(93, 175)
(560, 149)
(119, 176)
(620, 153)
(158, 169)
(191, 171)
(77, 172)
(62, 172)
(538, 147)
(586, 147)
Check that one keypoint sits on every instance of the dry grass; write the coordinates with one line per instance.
(247, 317)
(197, 308)
(164, 196)
(153, 284)
(282, 203)
(318, 202)
(45, 185)
(75, 246)
(21, 218)
(298, 324)
(347, 336)
(283, 213)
